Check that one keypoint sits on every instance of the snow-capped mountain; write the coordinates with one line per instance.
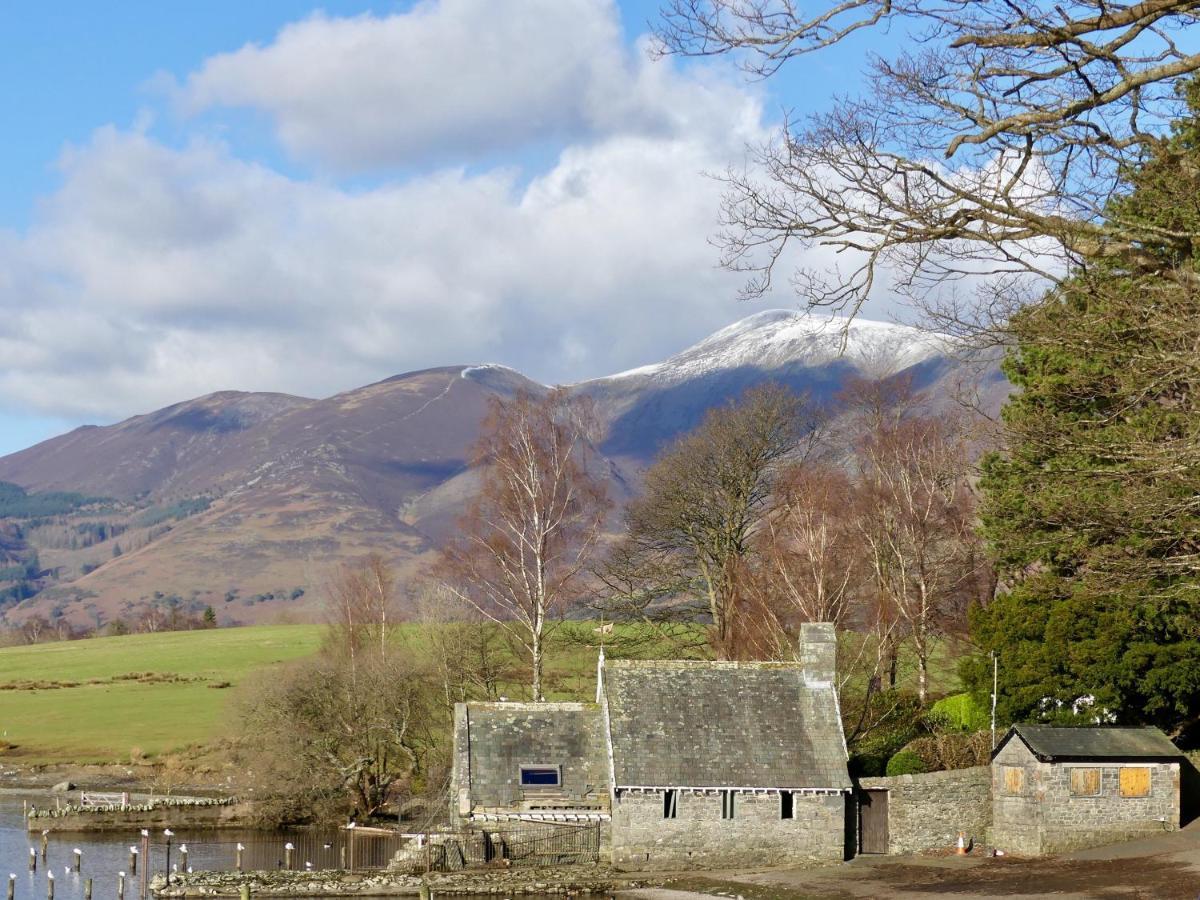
(778, 338)
(815, 355)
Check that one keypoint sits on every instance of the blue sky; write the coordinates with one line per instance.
(280, 196)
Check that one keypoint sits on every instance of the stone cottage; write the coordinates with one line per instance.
(1056, 789)
(696, 763)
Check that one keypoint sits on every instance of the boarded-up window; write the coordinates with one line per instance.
(1014, 779)
(1135, 781)
(1085, 782)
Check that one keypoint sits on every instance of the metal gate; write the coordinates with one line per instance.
(873, 821)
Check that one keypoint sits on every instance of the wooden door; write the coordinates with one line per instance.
(873, 821)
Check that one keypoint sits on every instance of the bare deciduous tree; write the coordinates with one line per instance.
(331, 738)
(468, 653)
(992, 144)
(916, 520)
(807, 542)
(690, 533)
(361, 605)
(524, 545)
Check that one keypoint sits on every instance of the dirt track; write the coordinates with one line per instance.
(1160, 868)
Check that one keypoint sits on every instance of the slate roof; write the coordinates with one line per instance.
(504, 736)
(705, 724)
(1051, 743)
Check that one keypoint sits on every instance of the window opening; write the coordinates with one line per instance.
(787, 805)
(540, 776)
(670, 804)
(726, 804)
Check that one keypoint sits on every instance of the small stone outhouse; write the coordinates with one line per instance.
(1056, 789)
(695, 764)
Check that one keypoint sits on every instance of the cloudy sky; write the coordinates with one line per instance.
(270, 196)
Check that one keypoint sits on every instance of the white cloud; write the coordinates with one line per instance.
(449, 80)
(157, 274)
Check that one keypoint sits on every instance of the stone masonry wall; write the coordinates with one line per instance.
(926, 812)
(698, 836)
(1044, 817)
(238, 815)
(1016, 818)
(1070, 822)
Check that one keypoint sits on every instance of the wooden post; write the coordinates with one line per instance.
(133, 855)
(343, 857)
(49, 886)
(12, 886)
(78, 854)
(87, 889)
(244, 892)
(237, 859)
(45, 842)
(145, 854)
(287, 855)
(183, 858)
(120, 886)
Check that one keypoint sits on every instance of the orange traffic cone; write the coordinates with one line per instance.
(962, 844)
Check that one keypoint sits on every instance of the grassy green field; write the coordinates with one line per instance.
(110, 699)
(101, 699)
(76, 701)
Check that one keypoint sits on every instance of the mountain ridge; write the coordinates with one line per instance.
(277, 489)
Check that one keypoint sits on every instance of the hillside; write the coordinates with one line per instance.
(246, 502)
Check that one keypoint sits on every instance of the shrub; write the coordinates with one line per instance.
(906, 762)
(961, 712)
(952, 750)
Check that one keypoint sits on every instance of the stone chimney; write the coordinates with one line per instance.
(818, 652)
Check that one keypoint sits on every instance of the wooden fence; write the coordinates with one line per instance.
(97, 800)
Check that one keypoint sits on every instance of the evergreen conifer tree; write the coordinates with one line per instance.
(1092, 511)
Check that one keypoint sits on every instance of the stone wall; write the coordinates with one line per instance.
(1016, 818)
(756, 836)
(1042, 815)
(238, 815)
(926, 812)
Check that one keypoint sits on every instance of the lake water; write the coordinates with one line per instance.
(106, 854)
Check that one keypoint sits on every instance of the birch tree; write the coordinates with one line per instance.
(525, 543)
(916, 521)
(360, 606)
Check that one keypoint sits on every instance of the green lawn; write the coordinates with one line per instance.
(103, 720)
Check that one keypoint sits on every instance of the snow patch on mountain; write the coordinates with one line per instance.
(471, 372)
(779, 337)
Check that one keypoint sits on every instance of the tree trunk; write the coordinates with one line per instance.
(922, 675)
(537, 669)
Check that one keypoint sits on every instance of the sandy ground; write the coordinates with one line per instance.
(1160, 868)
